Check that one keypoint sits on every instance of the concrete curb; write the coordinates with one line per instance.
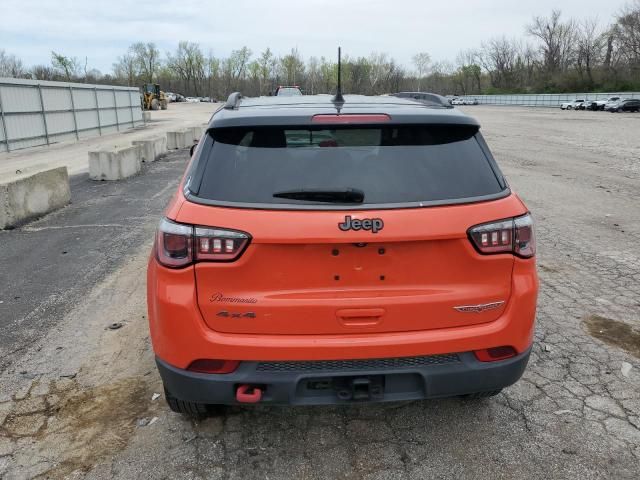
(116, 163)
(30, 197)
(152, 148)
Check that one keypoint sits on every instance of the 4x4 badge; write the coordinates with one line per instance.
(373, 224)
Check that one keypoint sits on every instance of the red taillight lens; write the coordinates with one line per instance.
(219, 245)
(351, 118)
(525, 239)
(514, 235)
(179, 245)
(206, 365)
(174, 244)
(494, 354)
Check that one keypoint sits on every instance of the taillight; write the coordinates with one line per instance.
(174, 244)
(218, 244)
(513, 235)
(179, 245)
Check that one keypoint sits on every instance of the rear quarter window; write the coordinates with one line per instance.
(391, 165)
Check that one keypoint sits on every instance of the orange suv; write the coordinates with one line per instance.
(325, 253)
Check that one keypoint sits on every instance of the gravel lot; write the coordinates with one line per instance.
(76, 396)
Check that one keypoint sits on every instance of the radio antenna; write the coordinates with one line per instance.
(338, 97)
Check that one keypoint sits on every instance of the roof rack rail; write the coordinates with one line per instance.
(233, 101)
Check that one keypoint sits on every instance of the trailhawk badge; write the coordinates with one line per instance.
(373, 224)
(483, 307)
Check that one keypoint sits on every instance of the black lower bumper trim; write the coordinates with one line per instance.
(420, 381)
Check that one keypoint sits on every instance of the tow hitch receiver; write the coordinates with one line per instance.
(248, 394)
(360, 388)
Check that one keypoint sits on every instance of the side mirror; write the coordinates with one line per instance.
(193, 148)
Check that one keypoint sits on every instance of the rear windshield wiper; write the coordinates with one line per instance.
(345, 195)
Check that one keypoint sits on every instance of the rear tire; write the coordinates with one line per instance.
(155, 105)
(479, 395)
(569, 107)
(163, 105)
(191, 409)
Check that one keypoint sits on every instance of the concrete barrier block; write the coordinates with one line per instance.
(146, 117)
(152, 148)
(197, 132)
(31, 196)
(179, 139)
(115, 163)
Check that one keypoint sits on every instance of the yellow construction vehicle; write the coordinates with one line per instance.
(153, 98)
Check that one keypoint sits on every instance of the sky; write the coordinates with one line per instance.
(101, 31)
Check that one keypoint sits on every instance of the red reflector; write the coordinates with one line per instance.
(494, 354)
(213, 366)
(350, 118)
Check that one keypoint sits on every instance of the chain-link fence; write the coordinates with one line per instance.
(36, 112)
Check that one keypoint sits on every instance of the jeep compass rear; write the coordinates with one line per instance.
(321, 253)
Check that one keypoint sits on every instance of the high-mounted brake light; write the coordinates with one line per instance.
(347, 118)
(513, 235)
(179, 245)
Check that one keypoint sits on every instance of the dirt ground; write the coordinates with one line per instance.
(77, 397)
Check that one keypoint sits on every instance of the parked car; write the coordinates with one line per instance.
(603, 103)
(572, 105)
(171, 97)
(628, 105)
(297, 264)
(470, 101)
(590, 105)
(192, 100)
(284, 91)
(180, 98)
(457, 101)
(425, 98)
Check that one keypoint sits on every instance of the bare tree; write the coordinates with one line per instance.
(557, 40)
(292, 66)
(627, 31)
(11, 66)
(590, 46)
(147, 58)
(188, 63)
(499, 57)
(126, 68)
(421, 61)
(266, 62)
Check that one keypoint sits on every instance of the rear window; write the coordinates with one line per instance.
(288, 92)
(389, 165)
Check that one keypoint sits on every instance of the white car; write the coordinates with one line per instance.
(470, 101)
(573, 104)
(192, 100)
(457, 101)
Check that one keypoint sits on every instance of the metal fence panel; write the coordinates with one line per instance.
(56, 99)
(36, 112)
(545, 99)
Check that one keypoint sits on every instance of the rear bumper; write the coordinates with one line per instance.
(293, 383)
